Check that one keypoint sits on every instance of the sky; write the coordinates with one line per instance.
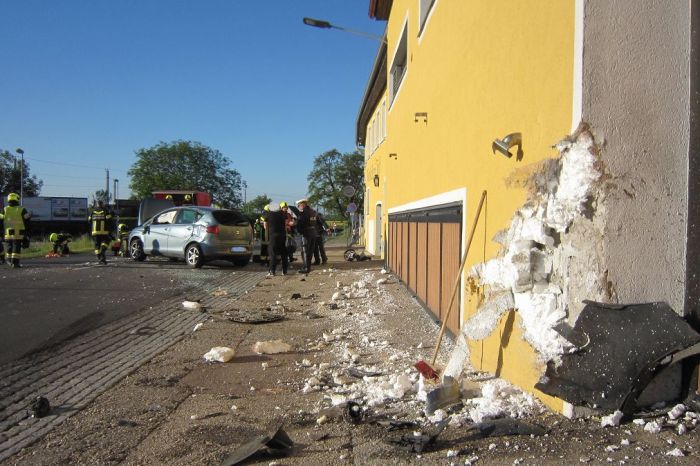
(86, 83)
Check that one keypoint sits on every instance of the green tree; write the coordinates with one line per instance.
(255, 206)
(11, 170)
(330, 173)
(100, 195)
(186, 165)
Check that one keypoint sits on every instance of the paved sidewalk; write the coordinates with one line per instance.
(179, 409)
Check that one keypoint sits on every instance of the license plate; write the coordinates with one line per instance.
(238, 249)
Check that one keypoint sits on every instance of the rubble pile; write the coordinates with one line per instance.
(369, 370)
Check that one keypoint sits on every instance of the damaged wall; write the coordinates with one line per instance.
(636, 99)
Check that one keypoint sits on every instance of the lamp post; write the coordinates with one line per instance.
(319, 23)
(21, 175)
(116, 198)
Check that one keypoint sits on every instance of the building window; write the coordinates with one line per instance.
(384, 119)
(424, 7)
(398, 66)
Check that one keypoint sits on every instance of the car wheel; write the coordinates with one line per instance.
(194, 256)
(241, 261)
(136, 250)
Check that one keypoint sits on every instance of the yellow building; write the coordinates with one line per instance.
(452, 77)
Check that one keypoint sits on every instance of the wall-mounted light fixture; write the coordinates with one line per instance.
(503, 145)
(421, 115)
(393, 156)
(376, 181)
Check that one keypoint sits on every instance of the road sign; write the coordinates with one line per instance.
(352, 208)
(348, 191)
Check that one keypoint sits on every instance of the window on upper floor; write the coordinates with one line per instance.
(424, 7)
(399, 64)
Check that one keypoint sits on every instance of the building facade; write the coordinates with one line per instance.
(453, 78)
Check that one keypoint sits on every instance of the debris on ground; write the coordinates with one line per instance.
(41, 407)
(219, 354)
(192, 305)
(275, 443)
(272, 347)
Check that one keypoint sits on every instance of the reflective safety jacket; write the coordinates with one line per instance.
(14, 217)
(101, 221)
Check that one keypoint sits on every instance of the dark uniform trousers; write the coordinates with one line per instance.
(278, 246)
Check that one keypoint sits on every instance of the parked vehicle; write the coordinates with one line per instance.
(195, 234)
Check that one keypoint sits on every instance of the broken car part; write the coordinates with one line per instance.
(275, 443)
(629, 344)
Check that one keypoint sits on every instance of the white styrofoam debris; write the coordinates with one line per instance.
(438, 416)
(338, 399)
(383, 271)
(197, 327)
(271, 347)
(338, 295)
(194, 305)
(677, 411)
(652, 427)
(499, 398)
(681, 429)
(613, 420)
(675, 452)
(382, 281)
(306, 363)
(625, 442)
(452, 453)
(219, 354)
(486, 318)
(639, 422)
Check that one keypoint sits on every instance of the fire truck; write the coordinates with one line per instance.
(179, 197)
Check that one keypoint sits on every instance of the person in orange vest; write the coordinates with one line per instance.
(101, 220)
(15, 219)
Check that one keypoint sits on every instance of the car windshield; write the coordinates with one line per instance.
(229, 217)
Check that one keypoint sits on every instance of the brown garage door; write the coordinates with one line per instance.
(424, 251)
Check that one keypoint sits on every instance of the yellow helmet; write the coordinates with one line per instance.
(283, 205)
(122, 226)
(169, 197)
(266, 208)
(188, 197)
(53, 237)
(13, 197)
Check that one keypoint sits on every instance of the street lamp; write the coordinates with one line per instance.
(319, 23)
(21, 176)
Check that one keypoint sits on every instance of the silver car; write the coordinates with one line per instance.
(196, 234)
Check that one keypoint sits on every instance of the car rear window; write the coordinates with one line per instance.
(229, 217)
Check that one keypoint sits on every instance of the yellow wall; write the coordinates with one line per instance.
(481, 70)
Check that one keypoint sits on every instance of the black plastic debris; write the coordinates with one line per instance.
(353, 413)
(504, 427)
(359, 373)
(296, 295)
(418, 443)
(627, 345)
(445, 394)
(392, 426)
(254, 316)
(275, 443)
(41, 407)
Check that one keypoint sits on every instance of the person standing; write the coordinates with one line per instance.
(289, 223)
(101, 230)
(15, 219)
(2, 236)
(306, 224)
(321, 231)
(273, 221)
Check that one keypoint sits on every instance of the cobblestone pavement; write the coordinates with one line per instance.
(74, 374)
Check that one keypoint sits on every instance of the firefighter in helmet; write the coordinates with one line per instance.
(15, 219)
(101, 220)
(187, 200)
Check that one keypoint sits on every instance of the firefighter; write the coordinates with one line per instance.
(101, 220)
(60, 244)
(123, 243)
(273, 221)
(15, 218)
(2, 238)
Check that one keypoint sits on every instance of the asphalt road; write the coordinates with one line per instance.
(49, 301)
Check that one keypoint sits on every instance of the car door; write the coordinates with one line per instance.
(181, 231)
(155, 237)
